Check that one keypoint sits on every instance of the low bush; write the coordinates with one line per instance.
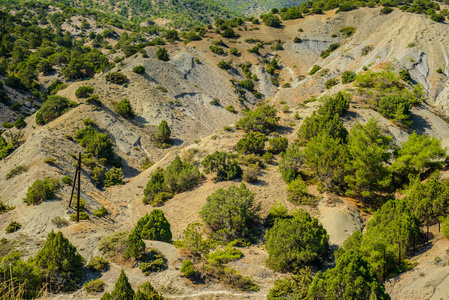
(223, 164)
(155, 227)
(101, 212)
(231, 109)
(94, 286)
(98, 264)
(113, 244)
(50, 160)
(331, 82)
(116, 77)
(139, 69)
(67, 180)
(225, 65)
(124, 109)
(20, 123)
(277, 145)
(250, 175)
(83, 216)
(152, 261)
(217, 50)
(60, 222)
(84, 91)
(95, 142)
(88, 122)
(12, 227)
(332, 47)
(348, 76)
(187, 269)
(41, 190)
(17, 171)
(113, 177)
(52, 108)
(162, 54)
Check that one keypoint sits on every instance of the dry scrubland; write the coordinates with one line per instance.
(192, 80)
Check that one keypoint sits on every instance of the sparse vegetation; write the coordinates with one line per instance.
(52, 108)
(41, 190)
(12, 227)
(124, 109)
(17, 171)
(84, 91)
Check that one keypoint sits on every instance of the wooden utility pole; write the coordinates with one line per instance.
(77, 178)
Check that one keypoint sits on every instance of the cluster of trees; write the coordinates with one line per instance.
(57, 265)
(124, 290)
(387, 94)
(177, 177)
(359, 163)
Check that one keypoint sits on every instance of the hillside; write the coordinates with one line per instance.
(251, 8)
(201, 93)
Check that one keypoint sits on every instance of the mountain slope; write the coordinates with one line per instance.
(192, 80)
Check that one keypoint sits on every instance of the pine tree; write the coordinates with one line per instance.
(61, 266)
(155, 226)
(122, 291)
(135, 247)
(163, 132)
(352, 278)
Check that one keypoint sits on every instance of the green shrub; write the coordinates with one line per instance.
(162, 137)
(178, 177)
(348, 76)
(98, 264)
(277, 211)
(7, 125)
(225, 65)
(395, 108)
(113, 177)
(83, 216)
(60, 264)
(116, 77)
(20, 123)
(52, 108)
(123, 290)
(162, 54)
(277, 145)
(41, 190)
(217, 50)
(271, 20)
(386, 10)
(155, 227)
(84, 91)
(267, 157)
(20, 279)
(135, 247)
(113, 244)
(250, 175)
(231, 109)
(224, 164)
(234, 51)
(17, 171)
(188, 269)
(67, 180)
(231, 213)
(153, 261)
(123, 108)
(247, 84)
(332, 47)
(139, 69)
(252, 142)
(295, 242)
(50, 160)
(348, 31)
(295, 286)
(96, 143)
(297, 40)
(263, 119)
(94, 286)
(15, 83)
(357, 280)
(224, 256)
(331, 82)
(60, 222)
(147, 292)
(12, 227)
(101, 212)
(285, 108)
(88, 121)
(405, 75)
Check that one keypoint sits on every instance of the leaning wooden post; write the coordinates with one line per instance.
(79, 189)
(73, 185)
